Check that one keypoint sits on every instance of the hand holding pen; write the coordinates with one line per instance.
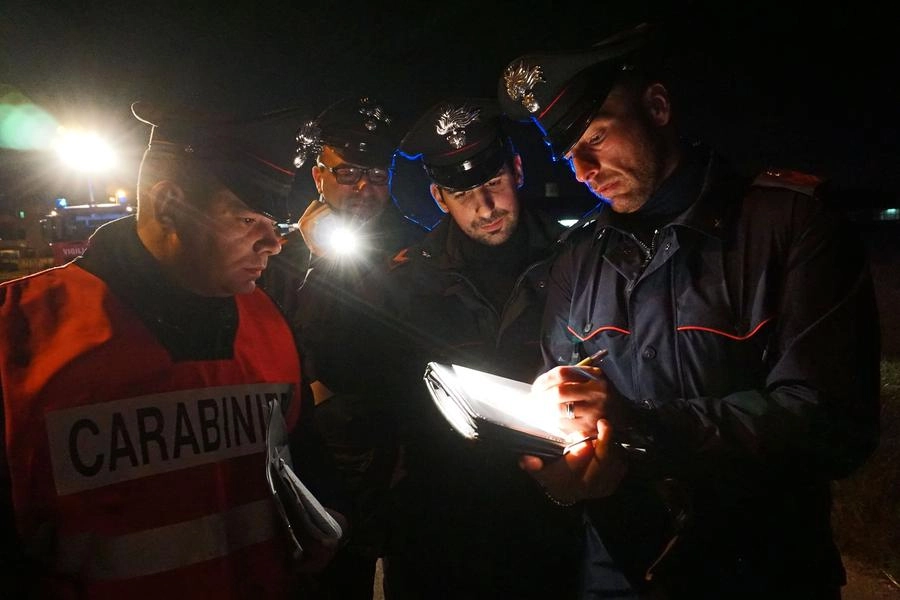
(579, 392)
(594, 358)
(588, 469)
(589, 361)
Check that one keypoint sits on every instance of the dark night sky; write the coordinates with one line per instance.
(767, 82)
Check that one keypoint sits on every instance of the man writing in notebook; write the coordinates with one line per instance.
(743, 366)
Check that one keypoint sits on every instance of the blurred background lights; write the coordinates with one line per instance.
(25, 127)
(84, 151)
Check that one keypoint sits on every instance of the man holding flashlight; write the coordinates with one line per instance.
(349, 230)
(353, 223)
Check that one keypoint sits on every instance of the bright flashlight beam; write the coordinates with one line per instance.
(84, 152)
(344, 241)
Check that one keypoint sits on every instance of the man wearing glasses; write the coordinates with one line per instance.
(353, 223)
(352, 228)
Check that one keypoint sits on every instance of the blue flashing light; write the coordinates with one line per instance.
(61, 203)
(540, 128)
(393, 170)
(390, 183)
(407, 156)
(545, 138)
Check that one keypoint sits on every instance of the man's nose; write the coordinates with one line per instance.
(484, 199)
(269, 241)
(365, 182)
(585, 168)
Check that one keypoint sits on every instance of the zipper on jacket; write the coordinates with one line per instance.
(649, 251)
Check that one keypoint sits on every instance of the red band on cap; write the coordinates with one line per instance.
(458, 150)
(273, 165)
(555, 100)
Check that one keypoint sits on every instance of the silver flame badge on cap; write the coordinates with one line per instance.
(452, 123)
(309, 142)
(374, 114)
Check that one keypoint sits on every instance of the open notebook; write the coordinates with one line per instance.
(483, 406)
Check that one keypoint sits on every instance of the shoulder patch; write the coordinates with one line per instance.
(805, 183)
(401, 258)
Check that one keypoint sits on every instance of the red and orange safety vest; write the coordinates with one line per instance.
(134, 476)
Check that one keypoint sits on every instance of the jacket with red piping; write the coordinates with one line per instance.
(744, 339)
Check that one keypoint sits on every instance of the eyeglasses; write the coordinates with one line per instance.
(350, 175)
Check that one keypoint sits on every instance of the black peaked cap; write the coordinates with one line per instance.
(359, 129)
(243, 153)
(561, 91)
(461, 142)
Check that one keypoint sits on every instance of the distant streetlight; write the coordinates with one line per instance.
(85, 152)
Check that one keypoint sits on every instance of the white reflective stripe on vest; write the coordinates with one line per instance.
(97, 557)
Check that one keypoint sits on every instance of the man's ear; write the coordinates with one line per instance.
(657, 103)
(438, 196)
(168, 203)
(317, 176)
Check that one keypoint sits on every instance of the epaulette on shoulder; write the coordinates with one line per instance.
(400, 259)
(805, 183)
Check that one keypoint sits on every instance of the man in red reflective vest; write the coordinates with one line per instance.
(137, 382)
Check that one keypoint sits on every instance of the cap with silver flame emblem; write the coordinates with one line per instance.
(561, 91)
(460, 141)
(359, 130)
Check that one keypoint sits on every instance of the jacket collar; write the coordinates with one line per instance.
(712, 208)
(715, 207)
(191, 327)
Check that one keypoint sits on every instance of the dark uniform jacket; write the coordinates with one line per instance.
(431, 291)
(468, 523)
(321, 299)
(745, 338)
(287, 271)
